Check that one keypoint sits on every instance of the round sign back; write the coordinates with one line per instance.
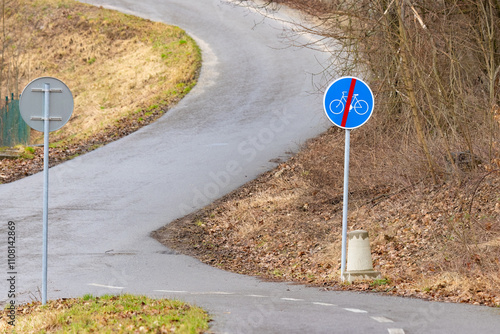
(31, 103)
(348, 102)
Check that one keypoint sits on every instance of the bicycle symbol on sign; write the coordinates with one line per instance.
(360, 106)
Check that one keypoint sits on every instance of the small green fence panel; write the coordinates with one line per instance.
(13, 129)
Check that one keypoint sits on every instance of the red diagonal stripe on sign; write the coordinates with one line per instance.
(348, 103)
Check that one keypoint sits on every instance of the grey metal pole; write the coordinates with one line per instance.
(46, 128)
(345, 201)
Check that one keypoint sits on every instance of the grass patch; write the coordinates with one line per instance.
(108, 314)
(379, 282)
(28, 153)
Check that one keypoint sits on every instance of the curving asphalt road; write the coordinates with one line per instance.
(253, 104)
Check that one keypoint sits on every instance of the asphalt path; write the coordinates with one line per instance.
(255, 102)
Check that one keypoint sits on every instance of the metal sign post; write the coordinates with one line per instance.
(38, 116)
(46, 126)
(348, 103)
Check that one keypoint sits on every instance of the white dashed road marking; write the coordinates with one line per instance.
(395, 331)
(381, 319)
(106, 286)
(197, 293)
(256, 296)
(323, 304)
(293, 299)
(355, 310)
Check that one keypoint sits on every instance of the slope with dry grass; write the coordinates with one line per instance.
(123, 71)
(430, 241)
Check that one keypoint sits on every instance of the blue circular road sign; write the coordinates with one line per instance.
(348, 102)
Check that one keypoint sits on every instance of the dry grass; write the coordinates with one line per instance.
(115, 64)
(124, 72)
(429, 241)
